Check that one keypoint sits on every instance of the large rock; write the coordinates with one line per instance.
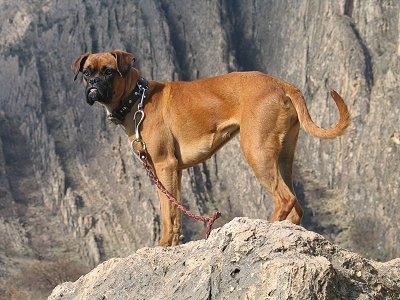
(245, 259)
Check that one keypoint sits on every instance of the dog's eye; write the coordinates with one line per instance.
(86, 72)
(108, 72)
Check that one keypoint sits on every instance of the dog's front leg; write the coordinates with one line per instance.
(171, 217)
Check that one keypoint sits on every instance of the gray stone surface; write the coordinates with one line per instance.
(245, 259)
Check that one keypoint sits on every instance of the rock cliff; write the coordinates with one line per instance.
(245, 259)
(69, 185)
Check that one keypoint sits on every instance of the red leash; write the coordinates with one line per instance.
(209, 220)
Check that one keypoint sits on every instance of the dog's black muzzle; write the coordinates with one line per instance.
(98, 90)
(91, 94)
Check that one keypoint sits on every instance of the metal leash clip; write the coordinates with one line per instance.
(138, 118)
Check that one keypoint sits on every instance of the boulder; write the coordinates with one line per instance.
(244, 259)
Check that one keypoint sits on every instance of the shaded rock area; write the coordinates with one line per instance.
(70, 188)
(245, 259)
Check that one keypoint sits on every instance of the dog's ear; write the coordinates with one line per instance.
(77, 65)
(125, 61)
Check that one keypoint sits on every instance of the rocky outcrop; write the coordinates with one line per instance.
(245, 259)
(69, 185)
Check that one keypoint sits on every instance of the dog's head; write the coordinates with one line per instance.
(104, 74)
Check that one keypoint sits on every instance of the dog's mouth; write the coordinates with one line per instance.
(92, 95)
(100, 91)
(93, 92)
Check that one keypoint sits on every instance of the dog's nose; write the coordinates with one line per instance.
(93, 80)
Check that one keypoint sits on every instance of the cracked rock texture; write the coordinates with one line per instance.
(245, 259)
(70, 189)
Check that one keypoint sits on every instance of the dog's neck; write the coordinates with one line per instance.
(117, 116)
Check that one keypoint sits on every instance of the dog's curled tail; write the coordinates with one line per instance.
(308, 124)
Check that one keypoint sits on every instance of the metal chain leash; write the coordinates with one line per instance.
(142, 154)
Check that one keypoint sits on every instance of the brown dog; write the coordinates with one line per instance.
(186, 122)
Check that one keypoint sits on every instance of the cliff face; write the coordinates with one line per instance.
(69, 184)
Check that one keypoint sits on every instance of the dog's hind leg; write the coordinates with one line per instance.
(263, 153)
(286, 158)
